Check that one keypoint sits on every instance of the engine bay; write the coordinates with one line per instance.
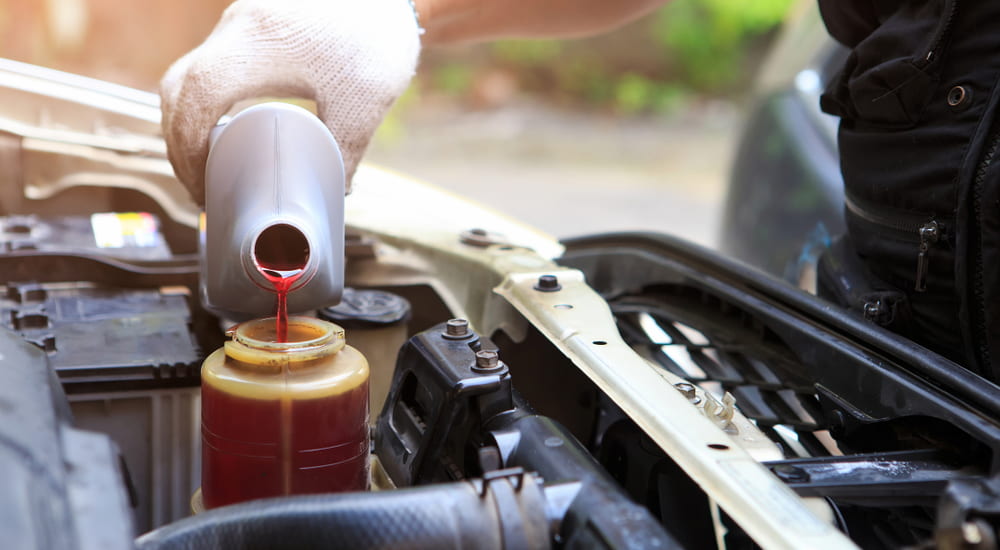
(612, 391)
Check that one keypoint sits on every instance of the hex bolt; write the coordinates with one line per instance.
(456, 328)
(687, 389)
(548, 283)
(487, 360)
(479, 237)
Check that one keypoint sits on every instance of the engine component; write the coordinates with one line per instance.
(145, 336)
(914, 469)
(50, 469)
(452, 410)
(502, 513)
(282, 418)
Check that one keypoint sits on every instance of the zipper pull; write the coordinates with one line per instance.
(930, 232)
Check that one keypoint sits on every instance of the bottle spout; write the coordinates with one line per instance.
(280, 247)
(274, 204)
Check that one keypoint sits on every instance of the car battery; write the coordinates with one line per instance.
(127, 358)
(129, 365)
(101, 339)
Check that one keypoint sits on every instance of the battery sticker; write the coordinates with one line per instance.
(124, 229)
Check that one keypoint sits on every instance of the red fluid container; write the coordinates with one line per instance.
(282, 418)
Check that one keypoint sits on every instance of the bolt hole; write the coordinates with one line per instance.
(718, 446)
(563, 306)
(599, 343)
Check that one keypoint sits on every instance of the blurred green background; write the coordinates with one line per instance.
(631, 130)
(687, 49)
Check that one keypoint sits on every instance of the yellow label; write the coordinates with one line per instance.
(121, 229)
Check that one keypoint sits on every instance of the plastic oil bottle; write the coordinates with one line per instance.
(275, 180)
(281, 418)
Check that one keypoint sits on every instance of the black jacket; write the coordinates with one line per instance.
(918, 101)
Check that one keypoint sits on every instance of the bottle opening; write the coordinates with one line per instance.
(281, 248)
(303, 333)
(300, 333)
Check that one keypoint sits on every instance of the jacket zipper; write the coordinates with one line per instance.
(944, 29)
(978, 287)
(923, 230)
(930, 233)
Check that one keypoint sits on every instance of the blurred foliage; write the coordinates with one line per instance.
(635, 93)
(528, 52)
(686, 49)
(392, 129)
(708, 37)
(453, 78)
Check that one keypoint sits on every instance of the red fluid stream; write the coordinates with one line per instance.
(280, 254)
(283, 281)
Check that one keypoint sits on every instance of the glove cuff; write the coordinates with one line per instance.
(416, 17)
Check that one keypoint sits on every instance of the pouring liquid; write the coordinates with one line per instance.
(281, 253)
(283, 281)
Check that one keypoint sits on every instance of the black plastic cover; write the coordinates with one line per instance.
(367, 308)
(447, 418)
(98, 338)
(61, 487)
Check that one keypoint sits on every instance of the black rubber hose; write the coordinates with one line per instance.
(454, 515)
(601, 516)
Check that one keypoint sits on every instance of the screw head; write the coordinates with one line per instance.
(479, 237)
(687, 389)
(487, 360)
(456, 328)
(548, 283)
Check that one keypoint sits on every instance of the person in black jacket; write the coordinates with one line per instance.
(918, 103)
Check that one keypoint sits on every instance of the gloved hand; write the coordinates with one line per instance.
(353, 57)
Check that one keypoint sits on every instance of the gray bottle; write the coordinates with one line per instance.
(274, 184)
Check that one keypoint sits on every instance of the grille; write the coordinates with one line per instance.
(728, 353)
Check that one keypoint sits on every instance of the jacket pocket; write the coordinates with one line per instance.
(904, 244)
(891, 73)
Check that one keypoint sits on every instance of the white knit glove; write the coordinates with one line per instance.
(353, 57)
